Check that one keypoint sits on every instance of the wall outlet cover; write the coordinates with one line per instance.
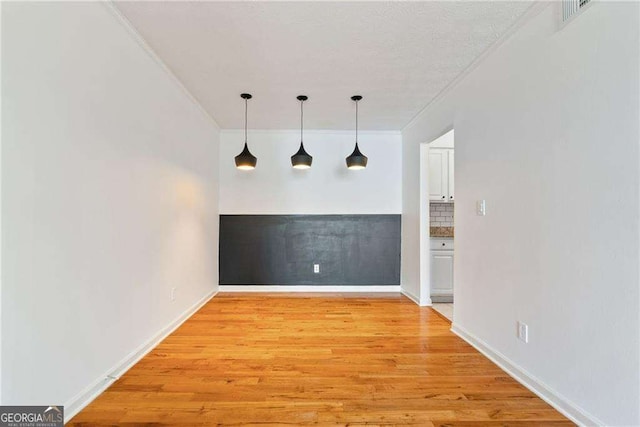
(523, 332)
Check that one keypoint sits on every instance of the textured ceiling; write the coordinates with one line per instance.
(397, 55)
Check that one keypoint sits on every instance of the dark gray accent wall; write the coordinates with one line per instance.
(281, 249)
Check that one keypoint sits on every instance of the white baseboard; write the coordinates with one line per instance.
(86, 396)
(306, 288)
(411, 296)
(546, 393)
(425, 302)
(422, 303)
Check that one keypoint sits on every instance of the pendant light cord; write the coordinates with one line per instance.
(356, 122)
(245, 119)
(301, 119)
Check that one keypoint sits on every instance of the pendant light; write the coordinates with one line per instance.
(356, 160)
(245, 160)
(302, 159)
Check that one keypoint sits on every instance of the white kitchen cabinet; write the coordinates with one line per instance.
(441, 270)
(438, 164)
(441, 173)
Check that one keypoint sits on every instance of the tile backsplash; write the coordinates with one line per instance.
(441, 214)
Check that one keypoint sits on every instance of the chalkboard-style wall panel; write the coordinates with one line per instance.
(281, 249)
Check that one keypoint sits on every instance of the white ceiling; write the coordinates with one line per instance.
(397, 55)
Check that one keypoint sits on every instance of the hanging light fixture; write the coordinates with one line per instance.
(245, 160)
(302, 159)
(356, 160)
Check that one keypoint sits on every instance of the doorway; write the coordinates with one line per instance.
(438, 201)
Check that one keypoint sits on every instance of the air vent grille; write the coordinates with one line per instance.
(572, 7)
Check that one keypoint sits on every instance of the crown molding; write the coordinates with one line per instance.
(133, 32)
(533, 11)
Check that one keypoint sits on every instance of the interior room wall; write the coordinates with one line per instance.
(109, 196)
(444, 141)
(547, 130)
(274, 187)
(318, 214)
(0, 216)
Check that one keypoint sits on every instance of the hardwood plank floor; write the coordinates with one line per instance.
(295, 359)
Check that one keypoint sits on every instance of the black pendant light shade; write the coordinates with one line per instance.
(356, 160)
(245, 160)
(302, 159)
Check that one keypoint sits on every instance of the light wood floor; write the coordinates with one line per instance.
(298, 359)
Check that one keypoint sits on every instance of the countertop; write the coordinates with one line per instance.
(440, 231)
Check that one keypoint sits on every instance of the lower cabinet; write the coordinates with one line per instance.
(441, 275)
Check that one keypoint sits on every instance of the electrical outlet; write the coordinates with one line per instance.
(523, 332)
(316, 268)
(173, 294)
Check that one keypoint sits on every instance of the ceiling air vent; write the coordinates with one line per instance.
(571, 8)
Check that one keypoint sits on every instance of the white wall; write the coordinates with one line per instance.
(445, 141)
(109, 196)
(274, 187)
(1, 214)
(547, 131)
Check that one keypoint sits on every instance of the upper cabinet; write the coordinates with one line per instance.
(441, 185)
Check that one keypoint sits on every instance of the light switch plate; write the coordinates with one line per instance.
(481, 208)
